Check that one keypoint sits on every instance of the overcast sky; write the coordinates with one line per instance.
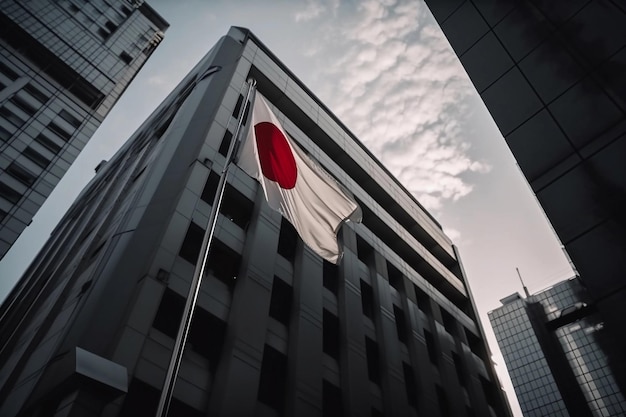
(386, 70)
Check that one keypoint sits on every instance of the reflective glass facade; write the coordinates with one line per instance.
(390, 331)
(552, 343)
(63, 64)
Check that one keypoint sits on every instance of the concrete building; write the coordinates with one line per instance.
(552, 343)
(392, 330)
(552, 75)
(63, 65)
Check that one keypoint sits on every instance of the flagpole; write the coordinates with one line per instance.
(194, 288)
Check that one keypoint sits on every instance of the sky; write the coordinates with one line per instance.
(387, 71)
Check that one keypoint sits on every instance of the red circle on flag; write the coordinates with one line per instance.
(275, 156)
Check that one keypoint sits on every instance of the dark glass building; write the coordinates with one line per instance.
(552, 75)
(392, 330)
(552, 344)
(63, 65)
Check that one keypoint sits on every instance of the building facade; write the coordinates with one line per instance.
(552, 343)
(551, 74)
(63, 65)
(392, 330)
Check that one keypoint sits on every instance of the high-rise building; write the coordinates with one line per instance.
(63, 65)
(552, 75)
(392, 330)
(552, 344)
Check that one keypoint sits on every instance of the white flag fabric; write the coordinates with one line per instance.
(294, 185)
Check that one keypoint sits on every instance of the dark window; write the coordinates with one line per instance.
(62, 133)
(169, 315)
(287, 240)
(12, 75)
(460, 370)
(280, 302)
(475, 344)
(430, 347)
(3, 214)
(373, 360)
(36, 157)
(103, 32)
(22, 104)
(331, 276)
(48, 143)
(490, 391)
(367, 299)
(126, 10)
(70, 118)
(238, 106)
(236, 207)
(395, 278)
(401, 327)
(364, 251)
(36, 93)
(223, 263)
(5, 135)
(125, 56)
(9, 193)
(11, 117)
(21, 174)
(442, 399)
(192, 243)
(110, 26)
(272, 383)
(210, 187)
(423, 300)
(223, 150)
(409, 384)
(449, 323)
(331, 400)
(331, 334)
(142, 400)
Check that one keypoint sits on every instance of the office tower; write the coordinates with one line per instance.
(552, 344)
(63, 65)
(392, 330)
(552, 75)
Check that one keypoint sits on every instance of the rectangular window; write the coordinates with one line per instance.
(331, 277)
(5, 135)
(190, 248)
(423, 300)
(11, 117)
(287, 240)
(3, 214)
(273, 381)
(460, 370)
(395, 278)
(236, 207)
(364, 251)
(70, 118)
(48, 143)
(210, 188)
(373, 360)
(449, 323)
(409, 384)
(331, 400)
(367, 299)
(280, 302)
(8, 72)
(21, 174)
(223, 150)
(9, 193)
(401, 327)
(36, 157)
(23, 105)
(62, 133)
(330, 337)
(223, 263)
(125, 56)
(36, 93)
(430, 347)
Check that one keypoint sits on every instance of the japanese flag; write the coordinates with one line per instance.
(294, 185)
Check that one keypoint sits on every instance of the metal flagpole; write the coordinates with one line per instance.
(194, 289)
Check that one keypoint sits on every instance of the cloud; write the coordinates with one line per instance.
(399, 87)
(314, 9)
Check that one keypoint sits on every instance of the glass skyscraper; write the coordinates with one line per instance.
(552, 343)
(63, 65)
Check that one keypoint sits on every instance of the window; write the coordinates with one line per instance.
(70, 118)
(475, 344)
(236, 207)
(449, 323)
(11, 117)
(367, 300)
(21, 174)
(430, 347)
(238, 106)
(9, 193)
(110, 26)
(409, 384)
(423, 300)
(331, 400)
(395, 278)
(3, 214)
(36, 157)
(442, 399)
(460, 370)
(331, 276)
(48, 143)
(125, 56)
(210, 188)
(62, 133)
(287, 240)
(364, 251)
(401, 327)
(192, 243)
(8, 72)
(273, 379)
(280, 302)
(223, 150)
(36, 93)
(223, 263)
(373, 360)
(5, 135)
(330, 337)
(22, 104)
